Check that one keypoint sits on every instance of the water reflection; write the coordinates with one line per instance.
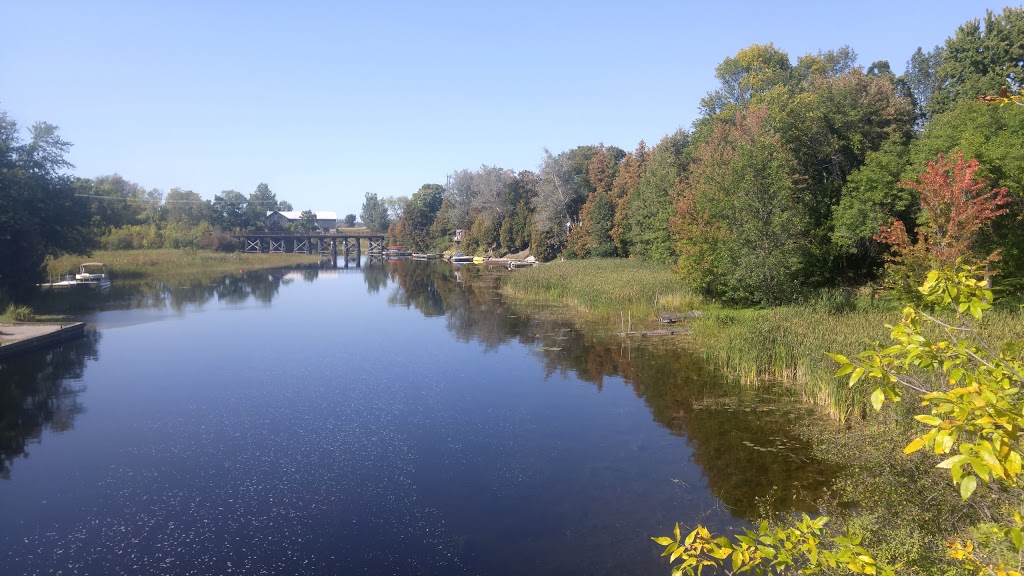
(180, 293)
(213, 441)
(742, 440)
(375, 273)
(38, 392)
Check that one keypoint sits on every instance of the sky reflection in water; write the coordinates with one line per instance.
(393, 418)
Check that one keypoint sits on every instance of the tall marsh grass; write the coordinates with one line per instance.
(784, 345)
(601, 289)
(142, 263)
(788, 345)
(16, 313)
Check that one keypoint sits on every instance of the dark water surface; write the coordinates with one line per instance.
(393, 419)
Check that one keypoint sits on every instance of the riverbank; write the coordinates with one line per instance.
(757, 346)
(139, 264)
(905, 508)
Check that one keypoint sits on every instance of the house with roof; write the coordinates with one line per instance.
(277, 219)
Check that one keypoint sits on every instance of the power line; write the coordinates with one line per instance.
(127, 198)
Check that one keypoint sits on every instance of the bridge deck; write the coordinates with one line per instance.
(301, 235)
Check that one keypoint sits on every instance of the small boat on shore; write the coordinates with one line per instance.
(92, 272)
(398, 250)
(90, 275)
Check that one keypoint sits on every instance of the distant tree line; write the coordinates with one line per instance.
(125, 215)
(781, 186)
(44, 212)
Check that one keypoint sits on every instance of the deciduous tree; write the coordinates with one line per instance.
(754, 70)
(830, 128)
(261, 201)
(229, 209)
(871, 198)
(307, 222)
(921, 79)
(631, 171)
(650, 208)
(40, 215)
(741, 229)
(956, 205)
(186, 207)
(563, 185)
(993, 135)
(413, 228)
(592, 237)
(374, 213)
(983, 56)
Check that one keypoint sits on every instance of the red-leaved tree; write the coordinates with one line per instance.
(957, 206)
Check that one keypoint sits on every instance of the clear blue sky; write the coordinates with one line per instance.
(325, 101)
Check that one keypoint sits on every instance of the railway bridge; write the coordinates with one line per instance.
(323, 243)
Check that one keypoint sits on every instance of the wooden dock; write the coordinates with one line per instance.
(19, 338)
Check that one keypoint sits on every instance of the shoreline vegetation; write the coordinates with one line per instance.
(757, 346)
(800, 178)
(153, 264)
(141, 264)
(782, 345)
(785, 346)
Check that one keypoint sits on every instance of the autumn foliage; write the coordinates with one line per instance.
(956, 205)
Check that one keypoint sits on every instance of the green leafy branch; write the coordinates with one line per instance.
(805, 548)
(975, 418)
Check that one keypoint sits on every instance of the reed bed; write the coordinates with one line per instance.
(788, 345)
(602, 289)
(142, 263)
(16, 313)
(784, 345)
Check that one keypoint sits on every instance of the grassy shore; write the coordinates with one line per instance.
(602, 290)
(129, 265)
(787, 345)
(137, 264)
(779, 345)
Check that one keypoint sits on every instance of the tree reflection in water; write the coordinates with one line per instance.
(744, 440)
(38, 392)
(177, 294)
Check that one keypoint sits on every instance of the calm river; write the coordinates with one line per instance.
(396, 418)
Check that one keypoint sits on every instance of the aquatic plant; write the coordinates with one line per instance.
(18, 313)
